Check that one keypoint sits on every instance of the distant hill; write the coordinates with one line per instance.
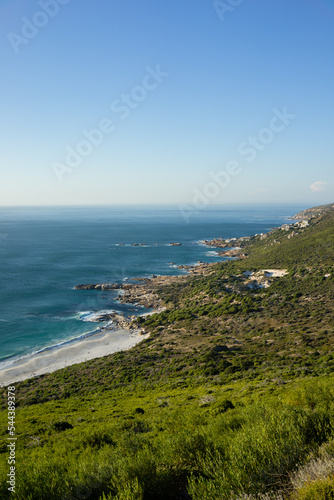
(314, 212)
(290, 246)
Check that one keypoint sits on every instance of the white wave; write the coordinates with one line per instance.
(212, 253)
(10, 361)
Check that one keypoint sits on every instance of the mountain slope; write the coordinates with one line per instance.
(314, 212)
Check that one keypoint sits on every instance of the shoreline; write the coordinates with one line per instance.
(103, 342)
(95, 346)
(109, 341)
(106, 341)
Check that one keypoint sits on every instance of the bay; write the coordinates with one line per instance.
(46, 251)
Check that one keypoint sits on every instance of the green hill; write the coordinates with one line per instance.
(231, 396)
(314, 212)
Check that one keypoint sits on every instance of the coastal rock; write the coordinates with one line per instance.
(85, 287)
(230, 243)
(118, 321)
(175, 244)
(234, 252)
(102, 286)
(217, 242)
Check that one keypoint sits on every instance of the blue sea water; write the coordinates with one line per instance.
(46, 251)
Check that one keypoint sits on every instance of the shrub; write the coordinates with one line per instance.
(222, 406)
(61, 426)
(139, 411)
(322, 489)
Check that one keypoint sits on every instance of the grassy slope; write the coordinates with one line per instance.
(235, 387)
(311, 247)
(314, 211)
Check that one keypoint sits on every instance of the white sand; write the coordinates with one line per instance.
(95, 346)
(269, 273)
(275, 273)
(261, 279)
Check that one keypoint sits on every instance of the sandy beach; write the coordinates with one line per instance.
(102, 343)
(96, 346)
(78, 351)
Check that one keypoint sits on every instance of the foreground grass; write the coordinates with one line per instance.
(158, 442)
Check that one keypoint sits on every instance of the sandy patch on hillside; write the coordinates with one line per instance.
(263, 278)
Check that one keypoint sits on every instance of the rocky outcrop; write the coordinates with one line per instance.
(230, 243)
(217, 242)
(234, 252)
(118, 321)
(103, 286)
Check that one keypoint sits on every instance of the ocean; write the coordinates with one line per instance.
(47, 251)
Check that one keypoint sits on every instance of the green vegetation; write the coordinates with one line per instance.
(231, 396)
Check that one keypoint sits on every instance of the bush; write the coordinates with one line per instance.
(61, 426)
(222, 406)
(322, 489)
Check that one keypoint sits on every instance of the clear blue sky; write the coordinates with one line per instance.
(181, 89)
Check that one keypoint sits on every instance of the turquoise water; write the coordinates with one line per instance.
(45, 252)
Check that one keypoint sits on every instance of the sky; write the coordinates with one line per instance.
(195, 103)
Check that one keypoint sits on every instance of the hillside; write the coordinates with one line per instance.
(314, 212)
(230, 396)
